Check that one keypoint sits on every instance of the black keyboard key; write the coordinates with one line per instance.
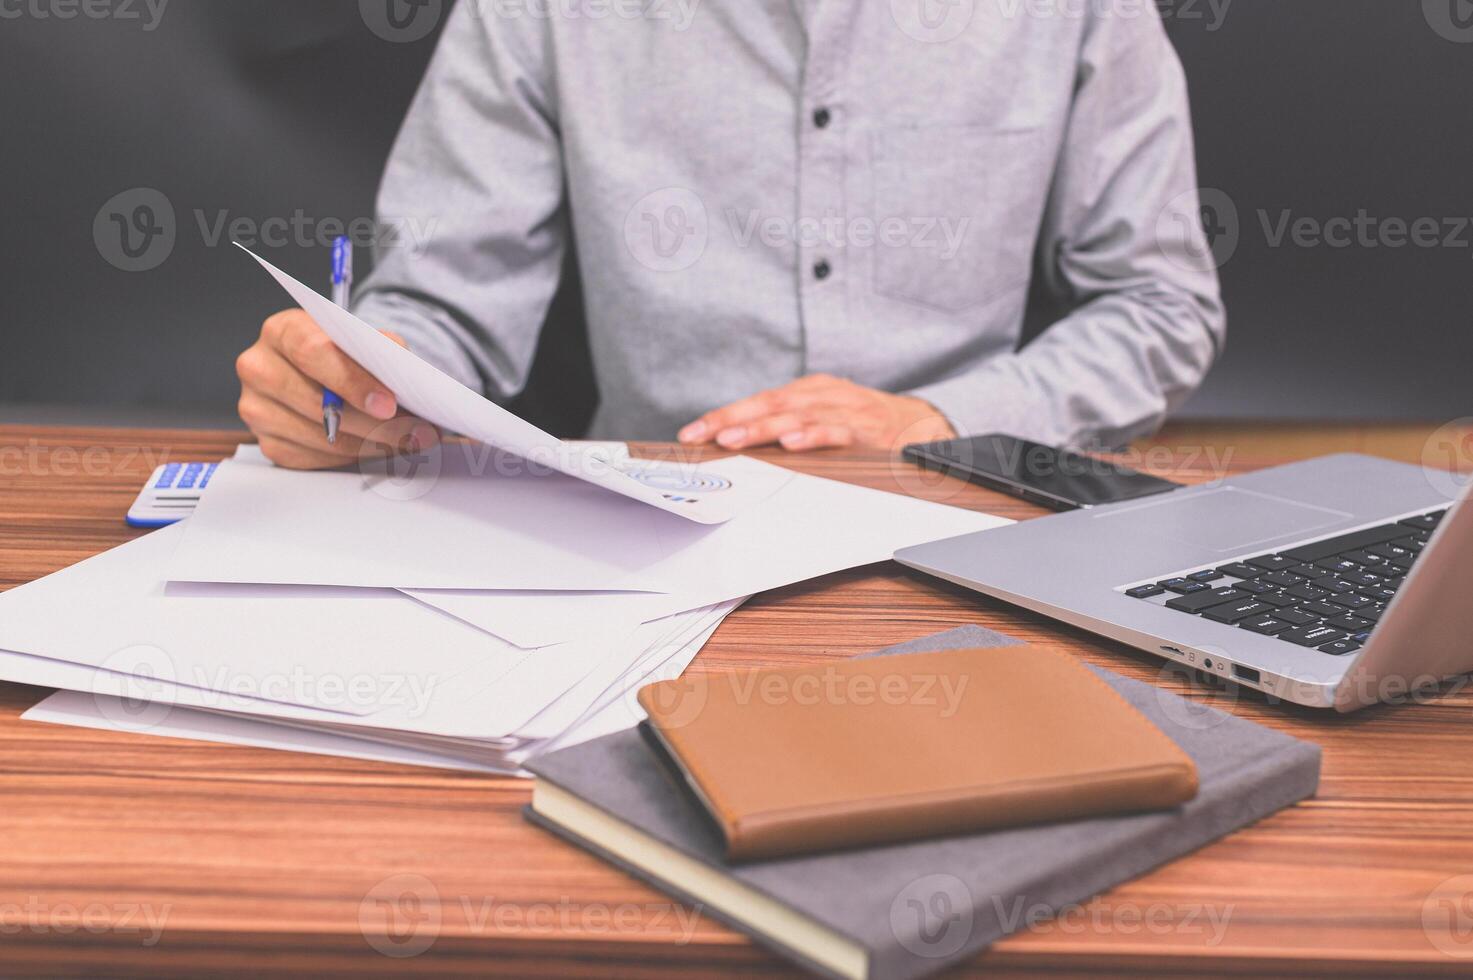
(1427, 522)
(1254, 586)
(1198, 601)
(1276, 599)
(1239, 570)
(1265, 625)
(1145, 591)
(1336, 584)
(1312, 553)
(1296, 617)
(1405, 561)
(1272, 563)
(1280, 578)
(1340, 647)
(1364, 579)
(1182, 586)
(1362, 557)
(1414, 545)
(1321, 608)
(1312, 636)
(1389, 550)
(1234, 611)
(1307, 591)
(1351, 601)
(1349, 623)
(1309, 571)
(1210, 575)
(1373, 613)
(1384, 593)
(1339, 565)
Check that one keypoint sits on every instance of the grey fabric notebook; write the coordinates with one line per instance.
(906, 910)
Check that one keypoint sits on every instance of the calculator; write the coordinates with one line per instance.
(170, 494)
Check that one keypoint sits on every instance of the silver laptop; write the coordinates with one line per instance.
(1333, 583)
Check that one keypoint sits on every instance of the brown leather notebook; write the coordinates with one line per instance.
(885, 749)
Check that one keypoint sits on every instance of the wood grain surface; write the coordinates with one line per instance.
(134, 855)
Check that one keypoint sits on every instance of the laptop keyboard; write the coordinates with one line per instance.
(1327, 596)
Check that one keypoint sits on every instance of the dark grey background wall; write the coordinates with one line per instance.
(269, 120)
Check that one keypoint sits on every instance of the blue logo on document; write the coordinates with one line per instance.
(677, 486)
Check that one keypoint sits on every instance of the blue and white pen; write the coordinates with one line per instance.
(342, 289)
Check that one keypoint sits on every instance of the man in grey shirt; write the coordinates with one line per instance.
(808, 222)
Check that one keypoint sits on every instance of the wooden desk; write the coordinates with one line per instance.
(260, 861)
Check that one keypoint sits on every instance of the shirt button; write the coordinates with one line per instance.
(821, 269)
(821, 118)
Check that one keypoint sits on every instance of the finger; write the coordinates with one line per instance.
(297, 457)
(313, 353)
(266, 372)
(762, 432)
(818, 437)
(269, 418)
(789, 398)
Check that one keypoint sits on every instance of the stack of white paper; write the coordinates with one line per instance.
(471, 608)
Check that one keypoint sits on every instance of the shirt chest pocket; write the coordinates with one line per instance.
(956, 212)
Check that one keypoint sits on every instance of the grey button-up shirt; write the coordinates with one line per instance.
(866, 190)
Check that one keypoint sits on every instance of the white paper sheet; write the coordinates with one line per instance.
(426, 391)
(617, 709)
(609, 713)
(810, 527)
(467, 524)
(463, 528)
(331, 649)
(107, 713)
(392, 665)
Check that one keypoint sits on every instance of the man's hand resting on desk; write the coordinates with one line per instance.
(819, 412)
(281, 380)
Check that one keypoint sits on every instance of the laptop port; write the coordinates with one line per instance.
(1246, 673)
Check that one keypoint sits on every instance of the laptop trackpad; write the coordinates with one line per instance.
(1226, 520)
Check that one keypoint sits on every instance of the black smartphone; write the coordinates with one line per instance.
(1053, 478)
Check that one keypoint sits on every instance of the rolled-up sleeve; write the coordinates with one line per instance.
(471, 206)
(1122, 245)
